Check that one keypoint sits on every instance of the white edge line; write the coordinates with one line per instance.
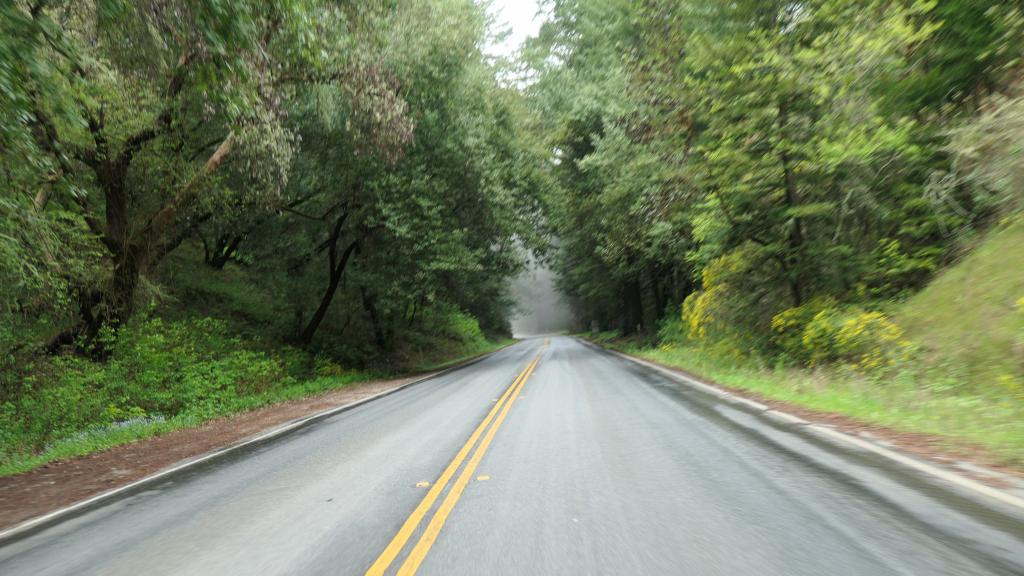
(49, 517)
(829, 434)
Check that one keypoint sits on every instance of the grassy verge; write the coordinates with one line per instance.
(907, 400)
(168, 376)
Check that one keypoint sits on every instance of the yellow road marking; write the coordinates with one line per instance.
(405, 532)
(482, 478)
(430, 534)
(422, 484)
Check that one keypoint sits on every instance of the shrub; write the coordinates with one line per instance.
(327, 367)
(697, 314)
(868, 341)
(721, 314)
(450, 324)
(461, 326)
(69, 398)
(790, 327)
(818, 337)
(672, 329)
(897, 271)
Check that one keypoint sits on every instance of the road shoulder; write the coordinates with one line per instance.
(62, 483)
(918, 452)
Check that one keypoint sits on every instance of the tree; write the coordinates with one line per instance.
(174, 110)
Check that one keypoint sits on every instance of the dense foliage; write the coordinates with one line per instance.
(328, 147)
(768, 178)
(350, 180)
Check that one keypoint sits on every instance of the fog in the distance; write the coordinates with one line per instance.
(541, 308)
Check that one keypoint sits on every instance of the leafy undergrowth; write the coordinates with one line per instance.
(463, 355)
(908, 399)
(164, 376)
(455, 337)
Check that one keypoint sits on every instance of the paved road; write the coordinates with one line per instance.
(554, 458)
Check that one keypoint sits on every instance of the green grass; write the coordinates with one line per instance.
(970, 316)
(907, 400)
(100, 437)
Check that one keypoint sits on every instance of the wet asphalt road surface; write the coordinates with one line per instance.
(573, 461)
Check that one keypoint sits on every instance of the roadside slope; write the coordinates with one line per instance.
(971, 316)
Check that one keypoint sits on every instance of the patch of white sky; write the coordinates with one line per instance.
(520, 17)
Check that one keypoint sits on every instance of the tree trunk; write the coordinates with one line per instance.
(633, 313)
(117, 302)
(120, 298)
(370, 305)
(223, 251)
(655, 304)
(336, 268)
(796, 233)
(325, 301)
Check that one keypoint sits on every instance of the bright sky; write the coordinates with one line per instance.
(521, 17)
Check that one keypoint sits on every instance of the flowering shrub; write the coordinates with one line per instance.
(711, 313)
(699, 312)
(789, 328)
(870, 341)
(818, 333)
(819, 337)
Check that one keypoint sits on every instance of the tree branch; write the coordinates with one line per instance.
(291, 210)
(332, 241)
(166, 215)
(172, 243)
(163, 120)
(206, 146)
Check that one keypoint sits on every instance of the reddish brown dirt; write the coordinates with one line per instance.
(937, 449)
(64, 482)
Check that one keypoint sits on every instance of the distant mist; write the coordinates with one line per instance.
(541, 308)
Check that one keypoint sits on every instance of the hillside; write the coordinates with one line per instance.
(970, 318)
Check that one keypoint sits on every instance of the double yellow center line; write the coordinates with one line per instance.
(433, 529)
